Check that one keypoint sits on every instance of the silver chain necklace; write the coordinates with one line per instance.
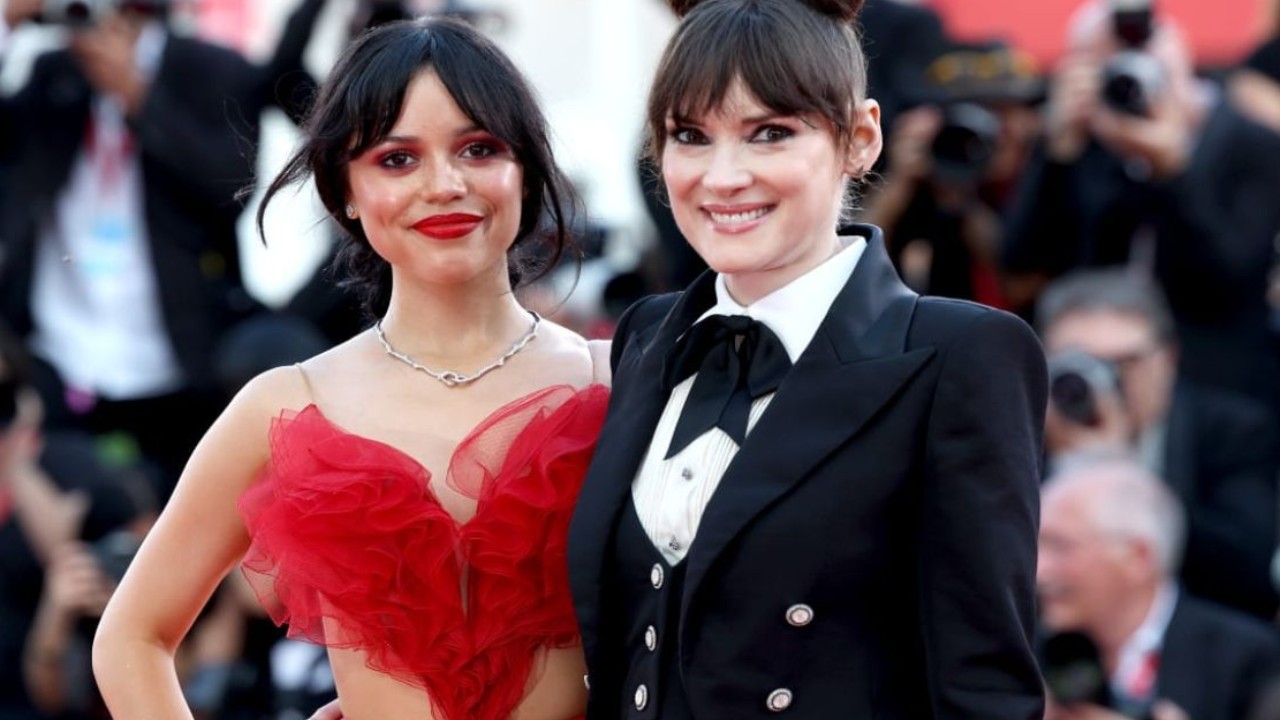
(454, 379)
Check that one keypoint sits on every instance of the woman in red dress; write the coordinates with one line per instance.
(404, 497)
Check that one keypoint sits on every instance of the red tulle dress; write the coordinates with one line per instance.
(352, 549)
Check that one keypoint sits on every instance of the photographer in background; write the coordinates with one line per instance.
(123, 155)
(952, 162)
(78, 582)
(1114, 385)
(1145, 165)
(1110, 537)
(53, 490)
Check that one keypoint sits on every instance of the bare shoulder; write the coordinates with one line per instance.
(240, 434)
(334, 367)
(600, 350)
(571, 357)
(273, 390)
(291, 387)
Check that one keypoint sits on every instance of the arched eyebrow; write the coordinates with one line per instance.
(410, 139)
(752, 120)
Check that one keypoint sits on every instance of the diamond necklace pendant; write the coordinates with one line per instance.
(453, 379)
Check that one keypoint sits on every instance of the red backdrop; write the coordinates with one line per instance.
(228, 22)
(1221, 31)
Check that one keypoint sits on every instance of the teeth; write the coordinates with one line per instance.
(732, 218)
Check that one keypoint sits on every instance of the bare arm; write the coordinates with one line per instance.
(197, 540)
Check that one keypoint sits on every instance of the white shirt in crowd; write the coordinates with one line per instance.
(95, 303)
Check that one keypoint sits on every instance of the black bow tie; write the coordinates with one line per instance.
(737, 360)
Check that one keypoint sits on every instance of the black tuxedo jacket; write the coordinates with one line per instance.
(1214, 661)
(892, 485)
(196, 134)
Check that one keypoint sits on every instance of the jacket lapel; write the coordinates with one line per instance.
(855, 364)
(636, 404)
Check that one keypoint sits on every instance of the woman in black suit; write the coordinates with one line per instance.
(816, 492)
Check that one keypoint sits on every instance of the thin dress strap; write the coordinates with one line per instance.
(599, 352)
(306, 380)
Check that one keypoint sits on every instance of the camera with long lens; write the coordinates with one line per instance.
(970, 84)
(1132, 78)
(1076, 381)
(965, 143)
(88, 13)
(114, 552)
(1073, 673)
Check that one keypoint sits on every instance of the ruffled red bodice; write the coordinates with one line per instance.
(352, 549)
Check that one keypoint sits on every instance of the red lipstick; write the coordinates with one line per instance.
(448, 227)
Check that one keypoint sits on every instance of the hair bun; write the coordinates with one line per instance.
(845, 11)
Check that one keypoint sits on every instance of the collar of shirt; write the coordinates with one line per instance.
(795, 310)
(1149, 636)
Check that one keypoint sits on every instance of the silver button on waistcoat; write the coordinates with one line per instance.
(656, 576)
(642, 697)
(799, 615)
(651, 638)
(779, 700)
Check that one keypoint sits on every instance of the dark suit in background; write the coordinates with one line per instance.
(891, 487)
(1220, 457)
(1215, 661)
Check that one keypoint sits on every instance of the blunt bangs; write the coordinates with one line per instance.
(790, 58)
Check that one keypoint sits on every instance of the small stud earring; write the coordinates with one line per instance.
(351, 212)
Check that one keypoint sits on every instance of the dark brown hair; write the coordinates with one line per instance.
(361, 101)
(794, 56)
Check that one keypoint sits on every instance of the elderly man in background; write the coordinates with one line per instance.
(1110, 539)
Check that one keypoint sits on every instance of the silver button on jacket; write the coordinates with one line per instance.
(779, 700)
(799, 615)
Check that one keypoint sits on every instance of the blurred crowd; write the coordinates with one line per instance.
(1125, 202)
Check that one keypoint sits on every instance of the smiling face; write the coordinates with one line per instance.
(439, 198)
(757, 194)
(1080, 569)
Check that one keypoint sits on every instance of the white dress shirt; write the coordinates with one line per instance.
(94, 299)
(671, 494)
(1147, 639)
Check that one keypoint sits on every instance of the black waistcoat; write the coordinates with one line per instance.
(650, 591)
